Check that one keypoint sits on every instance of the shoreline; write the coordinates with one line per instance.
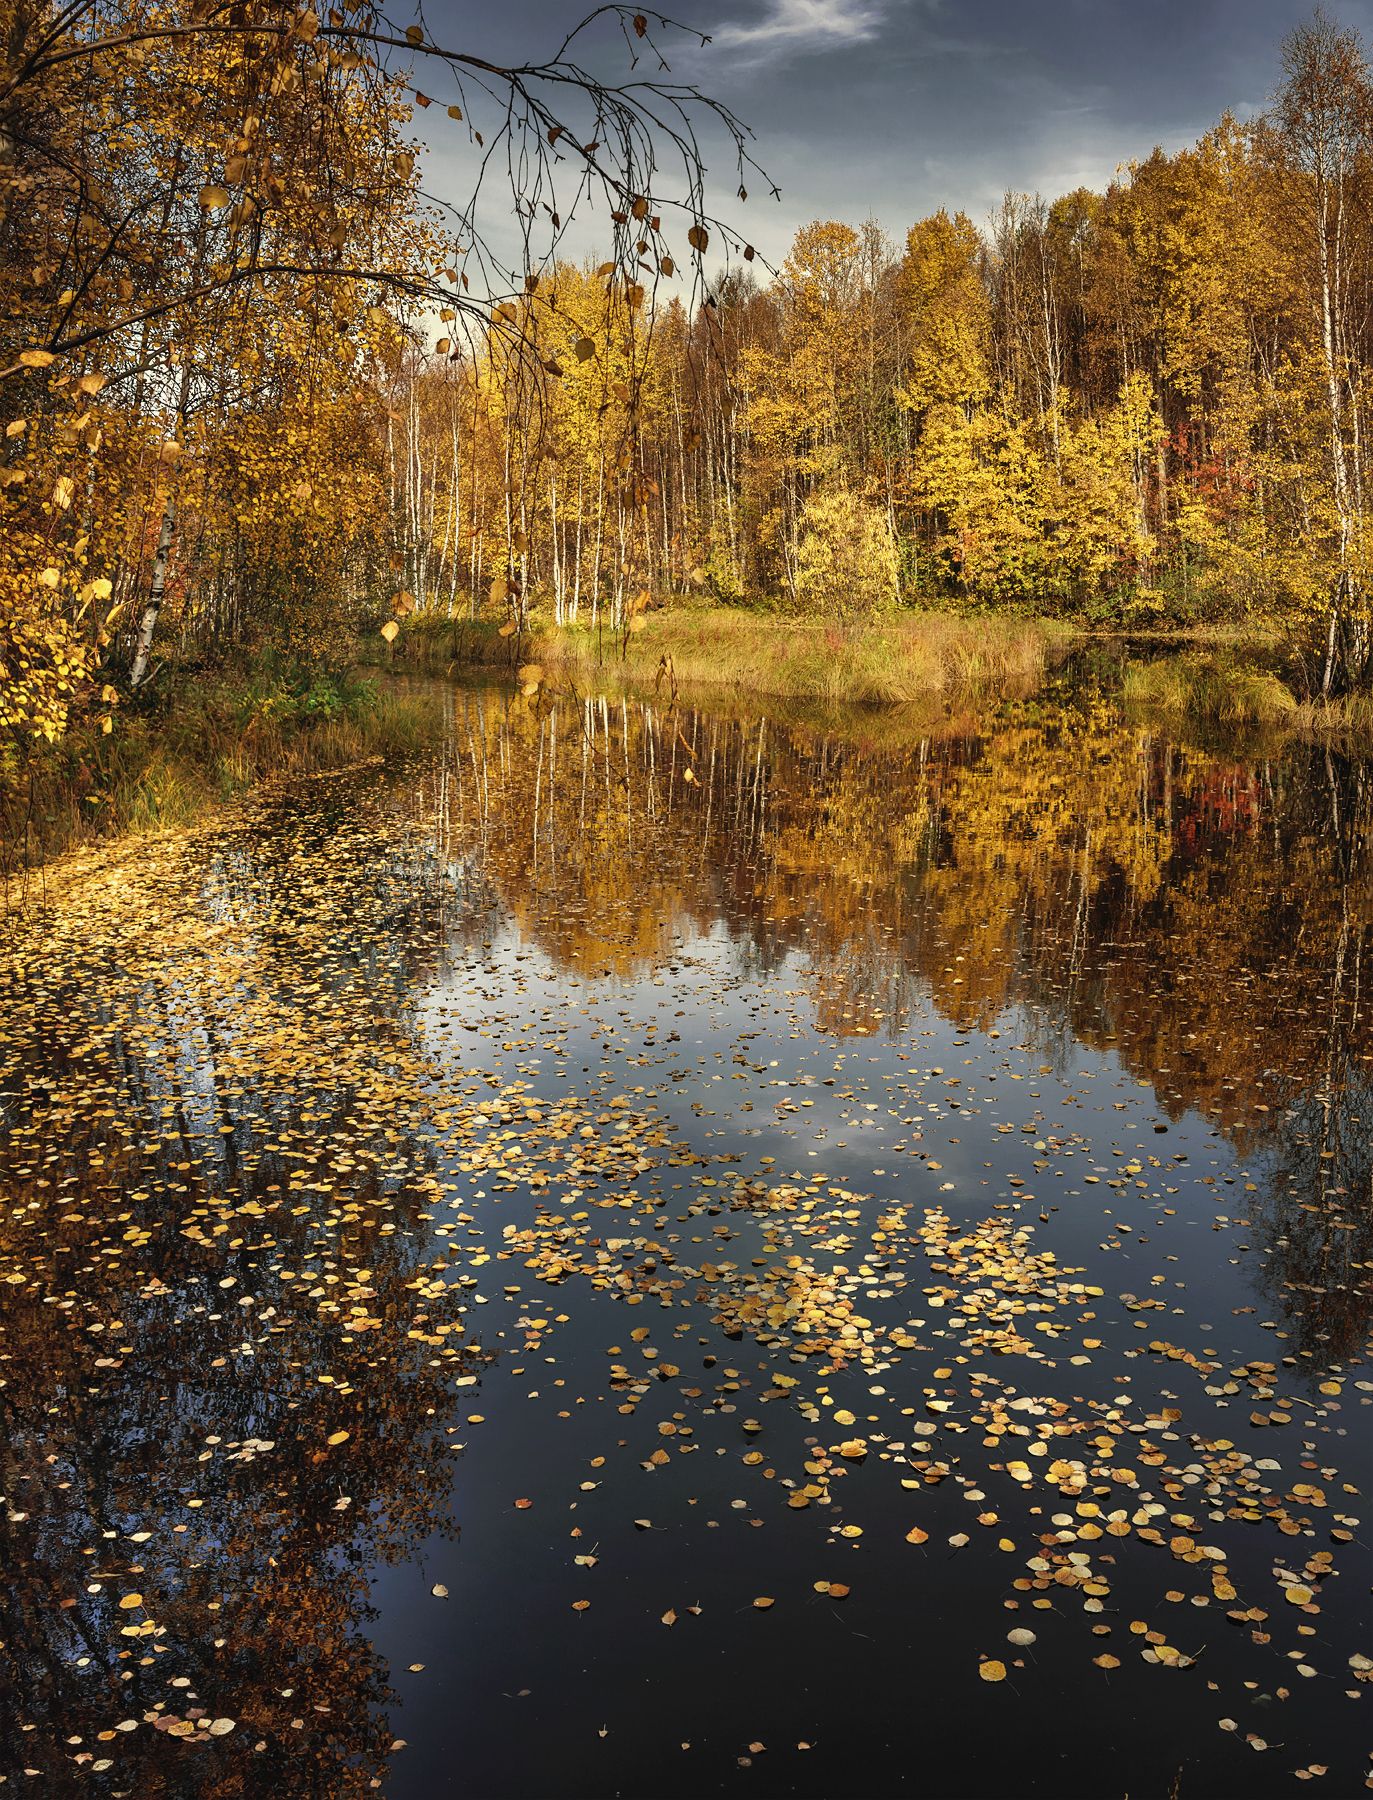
(1214, 676)
(214, 737)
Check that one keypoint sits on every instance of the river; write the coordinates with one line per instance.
(651, 1251)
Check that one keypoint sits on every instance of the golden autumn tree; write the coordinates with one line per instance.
(214, 253)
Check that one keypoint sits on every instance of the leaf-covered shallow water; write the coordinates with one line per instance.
(656, 1253)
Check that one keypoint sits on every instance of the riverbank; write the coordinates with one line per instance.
(200, 742)
(885, 662)
(1226, 677)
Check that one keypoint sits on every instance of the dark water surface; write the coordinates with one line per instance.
(475, 1231)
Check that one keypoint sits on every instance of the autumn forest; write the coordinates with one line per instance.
(686, 1080)
(262, 390)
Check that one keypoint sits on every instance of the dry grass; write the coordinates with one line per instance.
(1231, 693)
(1214, 689)
(884, 662)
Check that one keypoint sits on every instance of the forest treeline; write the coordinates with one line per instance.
(1151, 404)
(254, 398)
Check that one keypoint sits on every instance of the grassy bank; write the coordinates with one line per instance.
(202, 740)
(882, 662)
(1230, 691)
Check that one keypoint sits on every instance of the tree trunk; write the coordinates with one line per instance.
(147, 625)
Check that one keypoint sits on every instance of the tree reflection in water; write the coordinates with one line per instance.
(223, 1131)
(1204, 916)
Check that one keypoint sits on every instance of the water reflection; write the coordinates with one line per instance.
(225, 1133)
(211, 1264)
(1205, 917)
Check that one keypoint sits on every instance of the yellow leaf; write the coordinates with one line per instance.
(390, 631)
(37, 359)
(338, 1437)
(130, 1601)
(764, 1601)
(992, 1670)
(213, 198)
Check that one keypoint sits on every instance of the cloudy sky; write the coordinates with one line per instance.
(891, 108)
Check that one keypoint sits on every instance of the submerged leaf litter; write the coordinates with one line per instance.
(530, 1273)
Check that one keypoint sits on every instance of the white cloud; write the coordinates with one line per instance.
(792, 26)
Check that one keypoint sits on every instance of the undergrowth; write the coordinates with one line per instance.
(201, 739)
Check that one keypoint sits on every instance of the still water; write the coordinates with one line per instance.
(656, 1252)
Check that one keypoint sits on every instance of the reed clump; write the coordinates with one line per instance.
(1218, 690)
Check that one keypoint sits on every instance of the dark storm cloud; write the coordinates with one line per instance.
(891, 108)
